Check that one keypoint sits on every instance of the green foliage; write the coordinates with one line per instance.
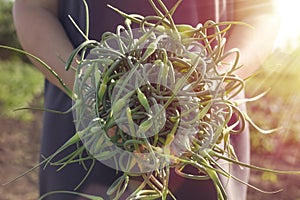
(7, 30)
(20, 84)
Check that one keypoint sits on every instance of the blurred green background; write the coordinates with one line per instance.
(20, 82)
(21, 85)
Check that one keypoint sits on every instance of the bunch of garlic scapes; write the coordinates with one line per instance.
(152, 99)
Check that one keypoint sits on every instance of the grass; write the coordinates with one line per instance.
(20, 85)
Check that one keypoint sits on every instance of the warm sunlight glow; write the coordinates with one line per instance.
(289, 11)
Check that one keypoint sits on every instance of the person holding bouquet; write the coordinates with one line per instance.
(45, 30)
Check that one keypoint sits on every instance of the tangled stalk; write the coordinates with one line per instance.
(151, 99)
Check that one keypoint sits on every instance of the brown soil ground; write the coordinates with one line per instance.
(19, 148)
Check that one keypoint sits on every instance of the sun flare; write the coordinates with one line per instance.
(289, 34)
